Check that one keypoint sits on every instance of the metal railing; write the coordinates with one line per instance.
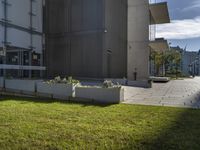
(21, 67)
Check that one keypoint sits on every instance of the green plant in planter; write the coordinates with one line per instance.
(65, 80)
(58, 79)
(72, 81)
(109, 84)
(68, 80)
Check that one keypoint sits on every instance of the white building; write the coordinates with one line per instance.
(21, 37)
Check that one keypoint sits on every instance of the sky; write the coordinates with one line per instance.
(184, 29)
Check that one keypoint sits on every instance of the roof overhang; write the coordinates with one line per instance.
(159, 45)
(159, 13)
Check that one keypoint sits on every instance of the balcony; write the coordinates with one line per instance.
(159, 13)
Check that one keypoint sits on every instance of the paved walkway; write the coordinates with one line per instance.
(176, 93)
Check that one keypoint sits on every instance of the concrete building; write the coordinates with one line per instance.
(142, 20)
(84, 38)
(21, 38)
(194, 66)
(101, 38)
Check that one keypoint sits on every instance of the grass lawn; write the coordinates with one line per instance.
(38, 124)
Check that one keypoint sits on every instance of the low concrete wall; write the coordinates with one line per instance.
(144, 84)
(160, 79)
(21, 86)
(63, 91)
(101, 95)
(57, 90)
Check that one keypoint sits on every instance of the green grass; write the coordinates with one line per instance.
(39, 124)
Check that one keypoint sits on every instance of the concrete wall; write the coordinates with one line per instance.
(101, 95)
(86, 38)
(75, 37)
(57, 90)
(90, 38)
(116, 38)
(81, 32)
(143, 84)
(62, 91)
(21, 86)
(138, 39)
(56, 43)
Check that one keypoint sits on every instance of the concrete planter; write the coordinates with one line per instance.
(21, 86)
(55, 90)
(100, 95)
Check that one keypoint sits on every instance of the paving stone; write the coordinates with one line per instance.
(176, 93)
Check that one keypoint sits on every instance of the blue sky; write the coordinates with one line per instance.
(184, 28)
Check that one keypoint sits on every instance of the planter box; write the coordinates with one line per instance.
(21, 86)
(56, 90)
(100, 95)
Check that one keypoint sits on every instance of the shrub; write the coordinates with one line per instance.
(68, 80)
(109, 84)
(72, 81)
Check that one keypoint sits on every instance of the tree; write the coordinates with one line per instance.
(158, 58)
(170, 59)
(177, 61)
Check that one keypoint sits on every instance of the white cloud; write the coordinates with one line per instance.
(194, 5)
(180, 29)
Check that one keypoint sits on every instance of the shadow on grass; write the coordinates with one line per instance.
(49, 100)
(181, 133)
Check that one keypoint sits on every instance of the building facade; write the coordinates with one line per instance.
(190, 61)
(83, 38)
(100, 38)
(88, 36)
(21, 38)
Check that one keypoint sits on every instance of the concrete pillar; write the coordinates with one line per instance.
(138, 39)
